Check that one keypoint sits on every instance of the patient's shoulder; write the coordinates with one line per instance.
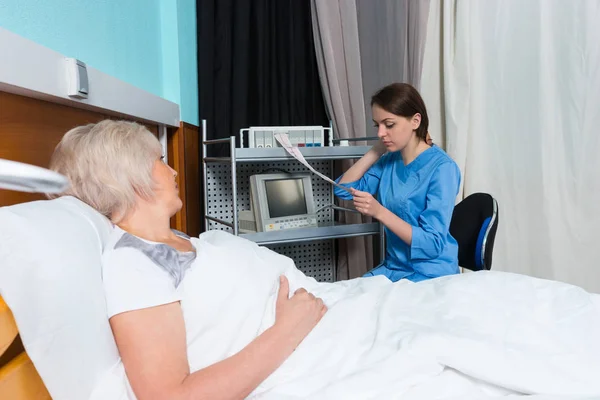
(137, 274)
(129, 251)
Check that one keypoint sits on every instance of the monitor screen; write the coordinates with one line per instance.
(285, 197)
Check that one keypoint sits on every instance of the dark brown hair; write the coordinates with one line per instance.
(403, 100)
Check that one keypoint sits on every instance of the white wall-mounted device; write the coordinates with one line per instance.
(77, 78)
(300, 136)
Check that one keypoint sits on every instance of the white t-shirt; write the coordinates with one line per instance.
(139, 273)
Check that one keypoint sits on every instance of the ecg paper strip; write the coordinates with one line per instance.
(294, 151)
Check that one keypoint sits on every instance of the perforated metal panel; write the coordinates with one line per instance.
(314, 258)
(219, 195)
(220, 188)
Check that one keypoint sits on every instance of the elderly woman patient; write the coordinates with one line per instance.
(118, 168)
(218, 317)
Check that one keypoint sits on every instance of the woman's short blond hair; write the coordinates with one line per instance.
(108, 164)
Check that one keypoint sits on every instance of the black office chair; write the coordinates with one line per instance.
(474, 224)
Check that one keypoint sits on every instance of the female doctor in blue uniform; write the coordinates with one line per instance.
(415, 185)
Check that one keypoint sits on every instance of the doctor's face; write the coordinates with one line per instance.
(393, 130)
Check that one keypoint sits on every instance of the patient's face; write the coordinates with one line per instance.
(166, 191)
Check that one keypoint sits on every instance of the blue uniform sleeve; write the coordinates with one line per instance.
(429, 237)
(368, 183)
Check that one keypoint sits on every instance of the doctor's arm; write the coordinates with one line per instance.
(365, 174)
(362, 166)
(427, 238)
(152, 345)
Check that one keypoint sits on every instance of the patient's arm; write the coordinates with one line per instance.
(152, 344)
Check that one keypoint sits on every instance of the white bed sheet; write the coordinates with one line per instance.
(474, 336)
(478, 334)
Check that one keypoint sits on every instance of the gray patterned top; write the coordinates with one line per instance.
(174, 262)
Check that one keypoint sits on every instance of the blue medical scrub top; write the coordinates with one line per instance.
(423, 194)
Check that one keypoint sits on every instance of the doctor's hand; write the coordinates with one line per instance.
(366, 204)
(296, 316)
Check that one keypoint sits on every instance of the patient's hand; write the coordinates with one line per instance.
(296, 316)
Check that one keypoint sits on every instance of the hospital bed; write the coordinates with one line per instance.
(18, 378)
(43, 292)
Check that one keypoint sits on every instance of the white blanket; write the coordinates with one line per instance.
(475, 335)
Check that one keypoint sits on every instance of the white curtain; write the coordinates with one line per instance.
(513, 90)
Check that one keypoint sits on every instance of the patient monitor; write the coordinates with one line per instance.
(282, 201)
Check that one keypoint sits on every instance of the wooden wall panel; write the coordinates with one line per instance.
(30, 129)
(184, 157)
(193, 180)
(176, 150)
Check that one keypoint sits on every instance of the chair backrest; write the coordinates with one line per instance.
(474, 225)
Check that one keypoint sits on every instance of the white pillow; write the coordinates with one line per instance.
(50, 277)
